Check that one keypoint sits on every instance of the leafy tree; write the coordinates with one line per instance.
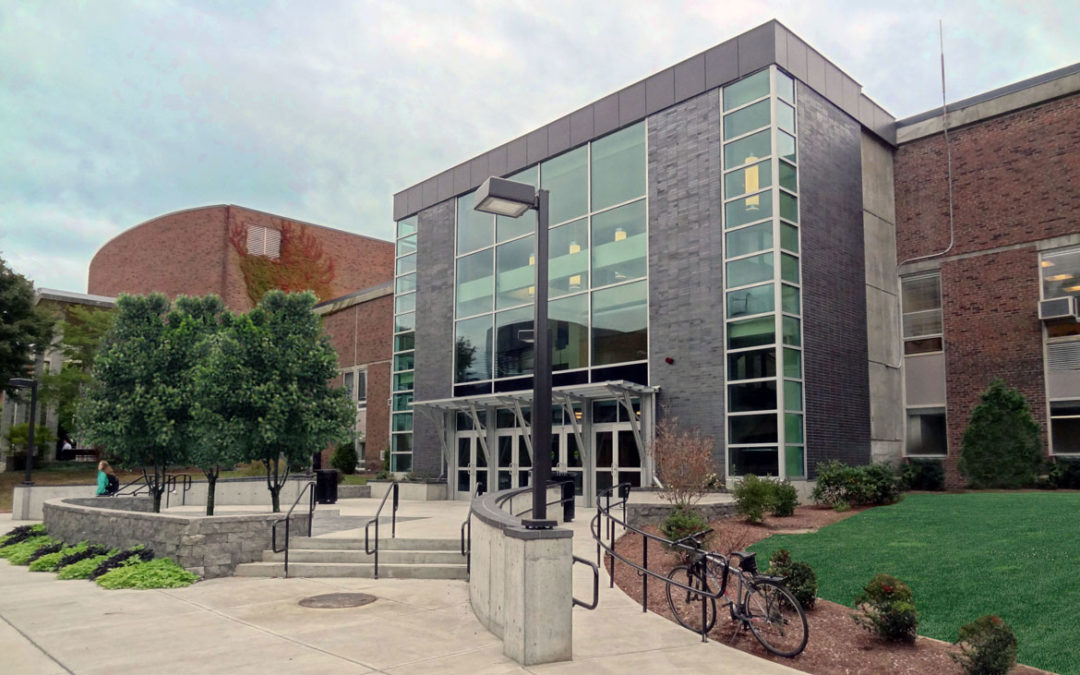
(1002, 446)
(193, 326)
(138, 405)
(82, 331)
(267, 380)
(25, 329)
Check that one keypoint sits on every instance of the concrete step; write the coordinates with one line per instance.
(389, 556)
(384, 544)
(358, 570)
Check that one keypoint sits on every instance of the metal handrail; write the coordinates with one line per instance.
(466, 534)
(375, 521)
(170, 487)
(310, 489)
(603, 509)
(595, 584)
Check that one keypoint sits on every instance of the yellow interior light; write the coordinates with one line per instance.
(1059, 277)
(574, 248)
(532, 259)
(620, 234)
(1047, 263)
(753, 183)
(1072, 289)
(575, 281)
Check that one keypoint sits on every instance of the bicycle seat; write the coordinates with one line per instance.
(747, 561)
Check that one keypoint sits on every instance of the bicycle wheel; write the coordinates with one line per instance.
(776, 618)
(686, 604)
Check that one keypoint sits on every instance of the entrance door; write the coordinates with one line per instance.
(514, 463)
(617, 457)
(471, 462)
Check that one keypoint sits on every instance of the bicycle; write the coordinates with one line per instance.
(760, 603)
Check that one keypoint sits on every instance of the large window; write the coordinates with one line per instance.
(597, 261)
(404, 355)
(762, 302)
(1060, 273)
(1065, 426)
(921, 297)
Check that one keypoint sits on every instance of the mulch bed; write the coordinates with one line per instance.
(837, 644)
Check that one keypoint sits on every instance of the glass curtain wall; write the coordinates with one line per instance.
(404, 339)
(762, 277)
(597, 265)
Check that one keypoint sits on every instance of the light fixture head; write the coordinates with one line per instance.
(504, 197)
(21, 382)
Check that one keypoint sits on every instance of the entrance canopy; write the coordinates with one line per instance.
(575, 393)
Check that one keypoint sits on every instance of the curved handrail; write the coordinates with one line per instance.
(310, 489)
(393, 525)
(603, 510)
(466, 533)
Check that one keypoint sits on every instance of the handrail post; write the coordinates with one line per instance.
(393, 514)
(287, 519)
(645, 577)
(376, 546)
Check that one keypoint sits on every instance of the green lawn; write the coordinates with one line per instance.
(1013, 554)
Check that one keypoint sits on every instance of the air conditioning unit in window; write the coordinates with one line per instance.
(1059, 308)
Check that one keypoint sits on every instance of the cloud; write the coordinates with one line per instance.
(116, 112)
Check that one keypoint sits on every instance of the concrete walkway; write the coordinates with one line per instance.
(241, 625)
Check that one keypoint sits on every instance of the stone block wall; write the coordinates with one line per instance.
(208, 546)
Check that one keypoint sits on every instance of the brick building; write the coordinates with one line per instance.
(230, 250)
(747, 242)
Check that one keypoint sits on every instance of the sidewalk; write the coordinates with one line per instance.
(241, 625)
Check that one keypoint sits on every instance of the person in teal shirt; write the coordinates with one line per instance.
(105, 486)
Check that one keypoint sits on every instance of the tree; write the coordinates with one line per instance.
(683, 461)
(1002, 446)
(25, 329)
(268, 382)
(193, 327)
(138, 405)
(82, 331)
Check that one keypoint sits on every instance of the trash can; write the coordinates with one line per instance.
(566, 481)
(326, 486)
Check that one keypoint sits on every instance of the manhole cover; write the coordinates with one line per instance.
(337, 600)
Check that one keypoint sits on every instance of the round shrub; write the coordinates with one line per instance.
(987, 647)
(1002, 445)
(344, 458)
(886, 607)
(871, 485)
(785, 499)
(754, 496)
(799, 577)
(682, 522)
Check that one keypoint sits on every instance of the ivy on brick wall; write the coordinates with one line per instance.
(302, 265)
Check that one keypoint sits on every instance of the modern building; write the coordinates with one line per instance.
(724, 246)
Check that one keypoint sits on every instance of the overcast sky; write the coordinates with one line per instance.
(112, 113)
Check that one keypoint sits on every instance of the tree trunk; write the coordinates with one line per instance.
(211, 483)
(157, 498)
(275, 497)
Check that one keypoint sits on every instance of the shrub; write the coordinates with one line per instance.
(80, 552)
(55, 547)
(1064, 474)
(49, 562)
(684, 461)
(799, 577)
(21, 533)
(344, 458)
(121, 558)
(1002, 446)
(987, 647)
(682, 522)
(922, 474)
(19, 554)
(82, 569)
(754, 496)
(786, 498)
(157, 573)
(871, 485)
(887, 607)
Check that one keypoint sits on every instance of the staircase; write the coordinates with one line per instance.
(332, 557)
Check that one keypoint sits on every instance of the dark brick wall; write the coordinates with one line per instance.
(991, 331)
(434, 328)
(835, 368)
(1016, 179)
(359, 336)
(686, 315)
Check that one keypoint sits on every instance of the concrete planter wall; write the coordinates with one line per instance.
(27, 501)
(521, 581)
(426, 492)
(209, 546)
(654, 514)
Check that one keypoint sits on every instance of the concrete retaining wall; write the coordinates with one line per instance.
(209, 546)
(426, 492)
(521, 581)
(654, 514)
(27, 501)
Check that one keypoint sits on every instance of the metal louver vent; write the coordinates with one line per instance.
(1063, 356)
(264, 241)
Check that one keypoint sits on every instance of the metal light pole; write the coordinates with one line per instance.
(23, 383)
(509, 198)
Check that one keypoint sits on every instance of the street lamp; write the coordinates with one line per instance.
(23, 383)
(512, 199)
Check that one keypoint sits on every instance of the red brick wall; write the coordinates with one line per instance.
(992, 331)
(361, 336)
(1016, 179)
(188, 253)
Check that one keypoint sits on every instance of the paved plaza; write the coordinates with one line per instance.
(242, 625)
